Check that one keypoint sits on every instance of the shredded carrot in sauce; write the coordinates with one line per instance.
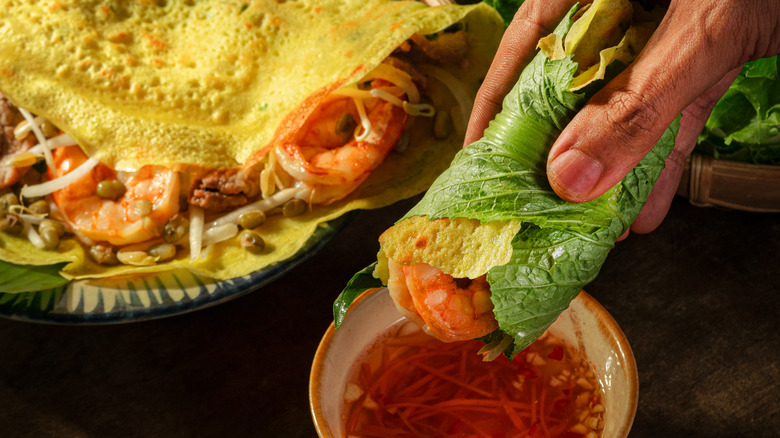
(414, 386)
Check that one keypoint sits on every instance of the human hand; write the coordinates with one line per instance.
(692, 58)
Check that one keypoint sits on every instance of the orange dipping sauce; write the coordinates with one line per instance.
(412, 385)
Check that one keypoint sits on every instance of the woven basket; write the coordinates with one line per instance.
(708, 182)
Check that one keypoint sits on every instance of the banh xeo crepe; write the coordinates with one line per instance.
(491, 251)
(201, 108)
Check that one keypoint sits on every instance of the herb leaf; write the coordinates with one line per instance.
(745, 123)
(360, 282)
(29, 278)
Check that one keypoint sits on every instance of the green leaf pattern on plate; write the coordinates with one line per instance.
(108, 296)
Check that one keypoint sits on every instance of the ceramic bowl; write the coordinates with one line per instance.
(585, 326)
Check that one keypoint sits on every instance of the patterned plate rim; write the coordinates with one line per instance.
(66, 305)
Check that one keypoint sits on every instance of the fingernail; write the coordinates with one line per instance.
(574, 172)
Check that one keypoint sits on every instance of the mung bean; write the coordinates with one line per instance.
(104, 254)
(252, 242)
(110, 189)
(294, 207)
(251, 219)
(176, 228)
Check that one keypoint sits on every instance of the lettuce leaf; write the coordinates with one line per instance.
(745, 123)
(502, 177)
(506, 8)
(29, 278)
(360, 282)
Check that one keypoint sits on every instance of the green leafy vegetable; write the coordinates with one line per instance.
(29, 278)
(360, 282)
(506, 8)
(745, 123)
(502, 177)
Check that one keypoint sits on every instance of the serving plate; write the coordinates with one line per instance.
(138, 298)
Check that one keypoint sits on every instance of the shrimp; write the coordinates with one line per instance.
(115, 221)
(450, 309)
(333, 166)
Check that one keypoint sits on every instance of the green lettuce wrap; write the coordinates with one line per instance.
(493, 212)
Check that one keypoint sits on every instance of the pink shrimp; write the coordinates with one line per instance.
(450, 309)
(115, 221)
(319, 157)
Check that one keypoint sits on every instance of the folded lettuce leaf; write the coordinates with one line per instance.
(745, 123)
(560, 246)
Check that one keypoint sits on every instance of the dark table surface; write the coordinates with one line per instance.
(697, 299)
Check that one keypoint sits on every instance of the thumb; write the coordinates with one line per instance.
(687, 55)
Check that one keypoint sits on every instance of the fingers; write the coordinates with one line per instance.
(626, 118)
(691, 124)
(534, 20)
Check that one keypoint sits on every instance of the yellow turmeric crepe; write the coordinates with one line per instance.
(196, 86)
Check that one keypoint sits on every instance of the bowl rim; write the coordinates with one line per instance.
(607, 324)
(619, 342)
(316, 368)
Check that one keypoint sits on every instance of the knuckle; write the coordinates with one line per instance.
(488, 99)
(530, 22)
(631, 115)
(540, 17)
